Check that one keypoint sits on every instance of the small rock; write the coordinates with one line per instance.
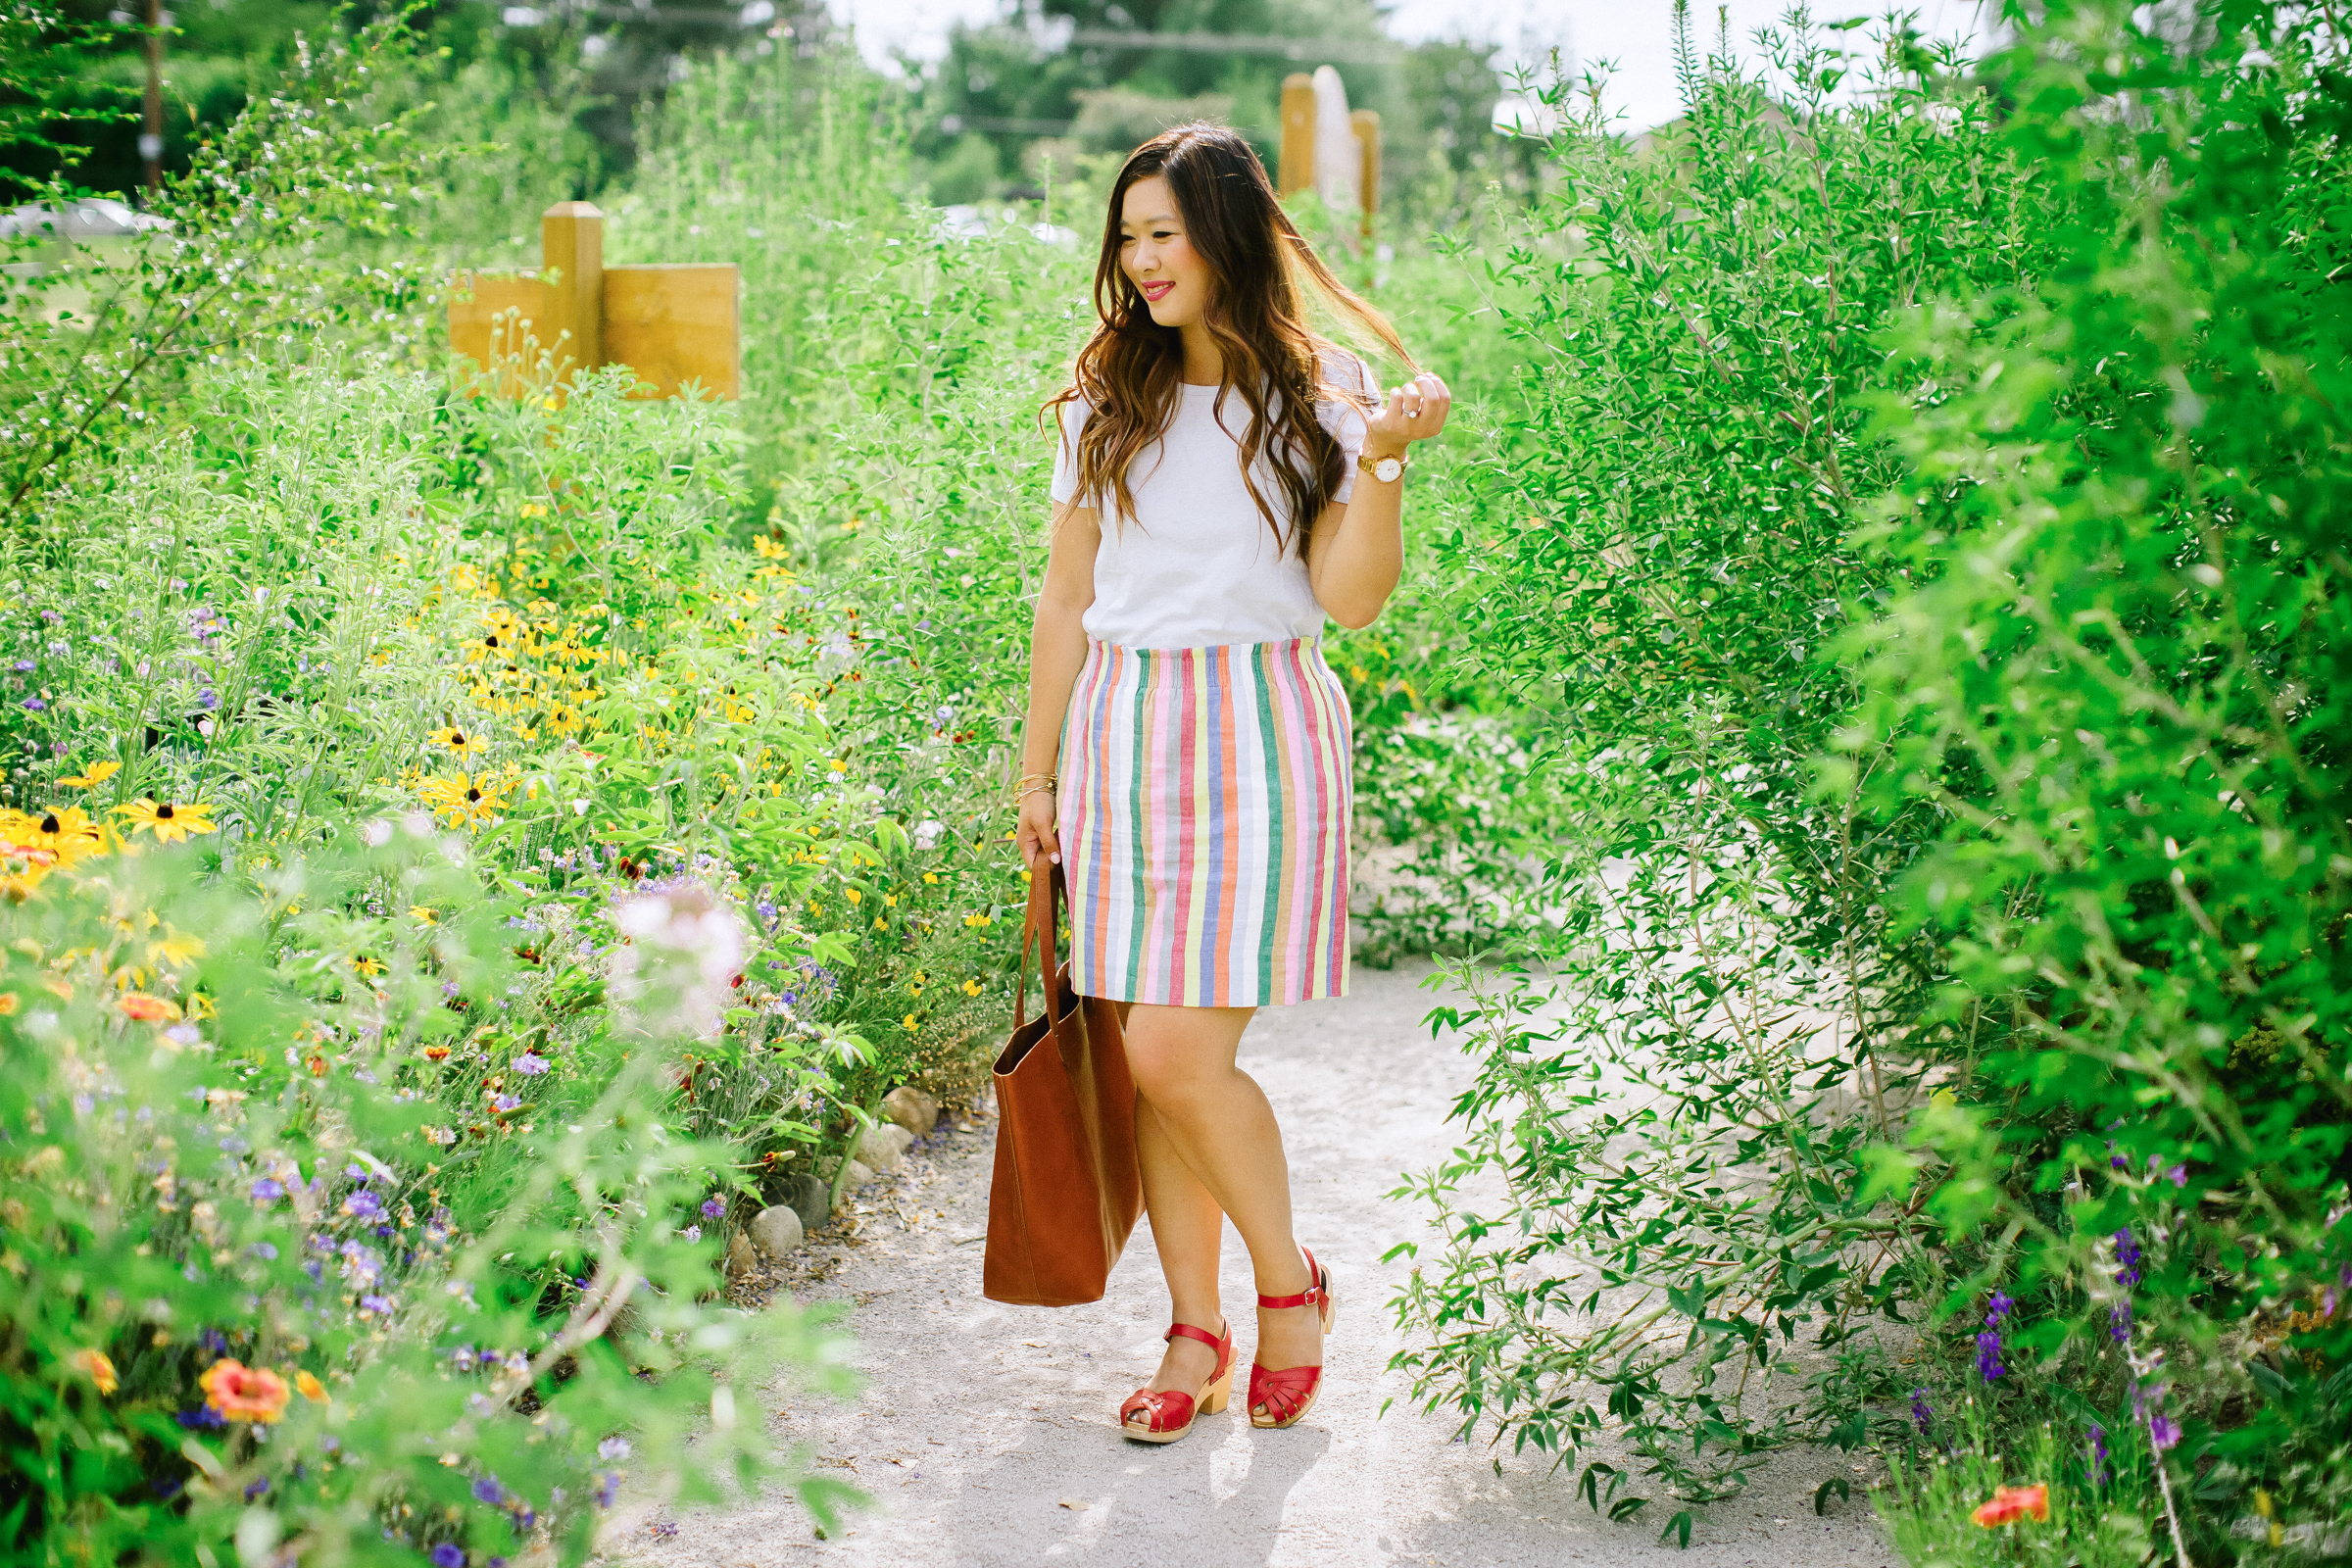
(884, 1147)
(859, 1176)
(912, 1109)
(808, 1197)
(776, 1231)
(741, 1259)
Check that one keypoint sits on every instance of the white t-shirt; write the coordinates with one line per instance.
(1195, 564)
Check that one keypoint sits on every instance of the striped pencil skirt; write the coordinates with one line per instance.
(1204, 821)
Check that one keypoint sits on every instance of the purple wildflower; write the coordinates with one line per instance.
(449, 1555)
(207, 700)
(364, 1205)
(204, 1418)
(613, 1448)
(1920, 1414)
(33, 705)
(608, 1487)
(2163, 1430)
(257, 1488)
(269, 1190)
(530, 1065)
(2119, 1322)
(2098, 1455)
(507, 1102)
(713, 1208)
(213, 1342)
(487, 1490)
(664, 1530)
(2178, 1175)
(2127, 1259)
(1989, 1355)
(381, 1304)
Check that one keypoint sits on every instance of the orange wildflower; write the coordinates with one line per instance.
(310, 1388)
(146, 1008)
(100, 1370)
(243, 1392)
(2009, 1504)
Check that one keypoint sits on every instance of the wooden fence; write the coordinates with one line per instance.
(676, 324)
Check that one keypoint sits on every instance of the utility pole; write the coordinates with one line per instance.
(151, 139)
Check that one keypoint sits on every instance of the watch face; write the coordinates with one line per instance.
(1387, 469)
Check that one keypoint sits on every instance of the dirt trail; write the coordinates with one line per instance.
(986, 1434)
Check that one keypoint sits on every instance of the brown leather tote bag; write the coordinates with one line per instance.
(1066, 1191)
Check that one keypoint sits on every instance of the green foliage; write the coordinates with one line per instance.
(458, 1317)
(1923, 580)
(248, 253)
(43, 55)
(1680, 1103)
(2119, 682)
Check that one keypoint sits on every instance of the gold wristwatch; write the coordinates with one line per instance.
(1388, 471)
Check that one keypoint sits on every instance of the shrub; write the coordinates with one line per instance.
(302, 1258)
(1935, 568)
(1679, 1096)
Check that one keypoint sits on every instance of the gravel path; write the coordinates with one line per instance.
(986, 1434)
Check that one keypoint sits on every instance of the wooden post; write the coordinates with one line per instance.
(1297, 170)
(571, 243)
(1367, 134)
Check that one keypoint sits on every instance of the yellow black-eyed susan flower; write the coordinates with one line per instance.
(63, 832)
(170, 822)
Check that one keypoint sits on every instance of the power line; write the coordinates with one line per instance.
(1321, 51)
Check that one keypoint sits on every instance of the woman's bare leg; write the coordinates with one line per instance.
(1205, 1130)
(1188, 1230)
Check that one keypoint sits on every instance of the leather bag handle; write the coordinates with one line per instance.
(1041, 927)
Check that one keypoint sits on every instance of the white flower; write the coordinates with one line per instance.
(678, 966)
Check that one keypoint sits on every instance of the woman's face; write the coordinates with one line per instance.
(1155, 252)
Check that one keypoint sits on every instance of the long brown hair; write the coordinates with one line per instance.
(1260, 270)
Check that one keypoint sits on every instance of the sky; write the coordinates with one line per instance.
(1636, 35)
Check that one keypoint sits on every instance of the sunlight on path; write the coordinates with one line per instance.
(983, 1425)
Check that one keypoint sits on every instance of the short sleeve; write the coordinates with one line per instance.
(1065, 449)
(1344, 420)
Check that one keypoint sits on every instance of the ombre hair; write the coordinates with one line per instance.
(1261, 270)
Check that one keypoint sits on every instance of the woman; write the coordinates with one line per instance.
(1226, 478)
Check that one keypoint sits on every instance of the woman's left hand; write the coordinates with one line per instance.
(1415, 411)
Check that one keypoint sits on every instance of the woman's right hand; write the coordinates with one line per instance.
(1036, 841)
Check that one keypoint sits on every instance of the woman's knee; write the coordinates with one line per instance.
(1167, 1076)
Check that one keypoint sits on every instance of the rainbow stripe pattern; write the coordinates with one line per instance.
(1203, 822)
